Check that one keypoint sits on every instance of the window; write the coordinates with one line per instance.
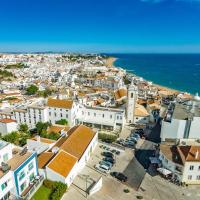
(31, 177)
(103, 115)
(30, 166)
(191, 167)
(66, 115)
(82, 113)
(22, 175)
(61, 115)
(3, 186)
(121, 117)
(23, 186)
(50, 113)
(95, 114)
(55, 114)
(117, 117)
(88, 113)
(110, 116)
(189, 177)
(5, 157)
(199, 168)
(198, 177)
(131, 95)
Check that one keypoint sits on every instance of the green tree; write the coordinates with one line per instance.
(12, 137)
(32, 89)
(45, 93)
(62, 122)
(53, 136)
(41, 127)
(23, 139)
(23, 128)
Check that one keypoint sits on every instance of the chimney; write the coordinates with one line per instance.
(197, 154)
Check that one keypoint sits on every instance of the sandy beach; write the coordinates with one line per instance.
(110, 61)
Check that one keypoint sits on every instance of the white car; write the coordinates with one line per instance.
(102, 168)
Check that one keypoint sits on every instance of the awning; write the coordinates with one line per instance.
(154, 160)
(164, 171)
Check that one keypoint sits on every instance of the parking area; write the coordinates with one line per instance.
(112, 188)
(125, 163)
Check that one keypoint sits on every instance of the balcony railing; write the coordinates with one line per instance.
(33, 187)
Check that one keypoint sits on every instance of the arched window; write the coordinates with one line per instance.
(131, 95)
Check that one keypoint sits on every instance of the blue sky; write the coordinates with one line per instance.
(100, 25)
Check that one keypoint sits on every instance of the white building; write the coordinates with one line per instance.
(181, 122)
(141, 116)
(101, 117)
(131, 102)
(50, 111)
(69, 155)
(32, 113)
(62, 109)
(182, 161)
(18, 170)
(7, 126)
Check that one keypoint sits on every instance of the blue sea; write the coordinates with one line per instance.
(178, 71)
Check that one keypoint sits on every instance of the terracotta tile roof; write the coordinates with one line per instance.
(44, 140)
(189, 153)
(57, 128)
(171, 153)
(60, 103)
(78, 141)
(141, 111)
(7, 120)
(181, 154)
(122, 92)
(62, 163)
(44, 158)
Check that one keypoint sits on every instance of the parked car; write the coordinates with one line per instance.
(103, 162)
(135, 135)
(134, 139)
(110, 160)
(129, 144)
(108, 154)
(113, 151)
(119, 176)
(102, 168)
(117, 153)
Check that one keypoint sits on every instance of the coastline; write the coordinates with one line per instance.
(110, 63)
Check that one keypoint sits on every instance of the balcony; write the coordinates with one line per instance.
(32, 188)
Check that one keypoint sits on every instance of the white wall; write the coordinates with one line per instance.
(56, 114)
(172, 130)
(194, 173)
(101, 116)
(27, 174)
(6, 150)
(8, 179)
(6, 128)
(195, 128)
